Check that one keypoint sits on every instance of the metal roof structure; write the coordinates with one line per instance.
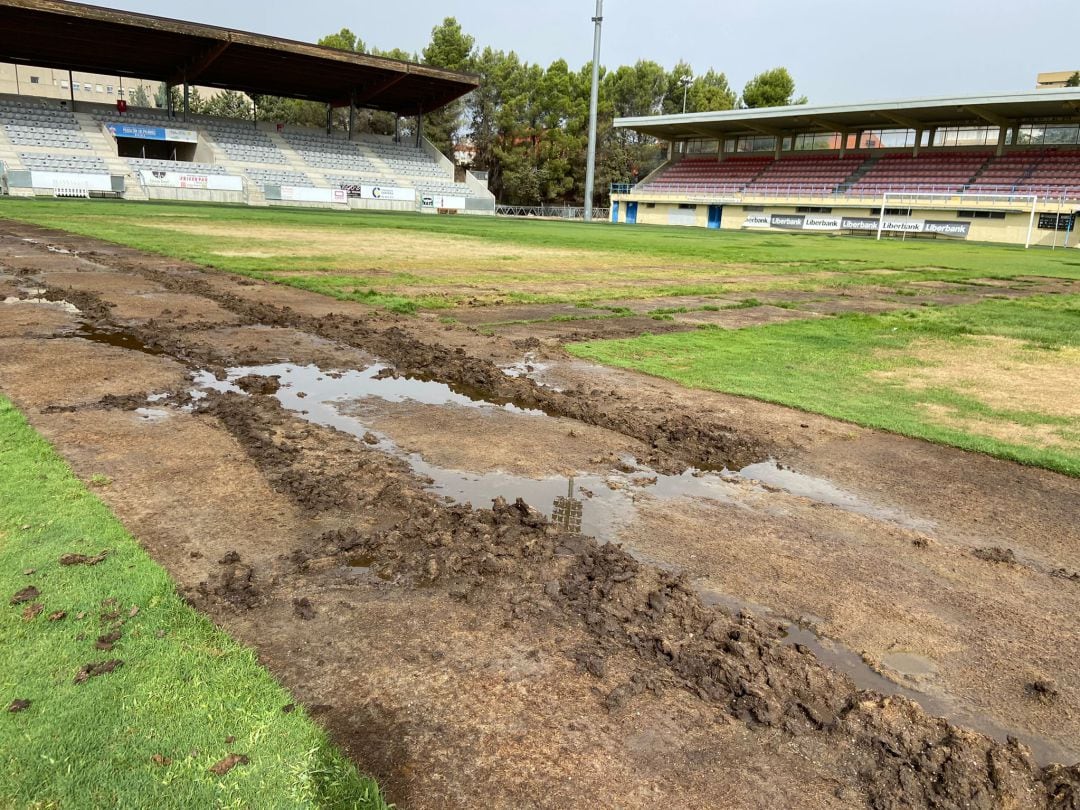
(1003, 110)
(75, 36)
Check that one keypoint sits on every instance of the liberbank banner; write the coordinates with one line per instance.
(144, 133)
(824, 222)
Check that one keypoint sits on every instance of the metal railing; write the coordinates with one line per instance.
(570, 212)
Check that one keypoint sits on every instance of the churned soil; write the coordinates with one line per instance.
(480, 656)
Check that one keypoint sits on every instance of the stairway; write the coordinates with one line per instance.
(104, 147)
(858, 174)
(296, 163)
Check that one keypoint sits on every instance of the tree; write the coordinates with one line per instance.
(711, 93)
(450, 48)
(773, 88)
(1074, 80)
(344, 40)
(139, 97)
(229, 104)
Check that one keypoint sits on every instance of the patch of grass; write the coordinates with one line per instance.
(835, 367)
(183, 688)
(438, 262)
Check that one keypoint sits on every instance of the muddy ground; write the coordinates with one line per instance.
(768, 566)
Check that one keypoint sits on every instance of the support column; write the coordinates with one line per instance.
(352, 113)
(397, 128)
(918, 141)
(419, 127)
(1016, 134)
(858, 139)
(187, 100)
(1003, 136)
(168, 100)
(329, 118)
(71, 89)
(843, 142)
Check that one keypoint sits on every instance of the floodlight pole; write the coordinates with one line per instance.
(594, 102)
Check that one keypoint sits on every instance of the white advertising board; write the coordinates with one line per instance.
(388, 193)
(316, 195)
(209, 182)
(91, 182)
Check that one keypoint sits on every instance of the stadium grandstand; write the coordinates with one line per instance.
(1002, 168)
(73, 147)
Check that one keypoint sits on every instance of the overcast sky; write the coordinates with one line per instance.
(837, 52)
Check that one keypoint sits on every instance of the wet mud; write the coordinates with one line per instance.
(538, 652)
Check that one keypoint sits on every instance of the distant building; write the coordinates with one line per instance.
(48, 83)
(1054, 79)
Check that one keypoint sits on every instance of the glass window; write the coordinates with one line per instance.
(35, 80)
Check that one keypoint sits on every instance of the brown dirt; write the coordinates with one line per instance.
(471, 657)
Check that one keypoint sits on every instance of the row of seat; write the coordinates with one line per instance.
(942, 172)
(76, 164)
(150, 164)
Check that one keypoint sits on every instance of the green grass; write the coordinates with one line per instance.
(491, 259)
(183, 688)
(834, 365)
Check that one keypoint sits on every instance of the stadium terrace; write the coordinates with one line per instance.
(1003, 168)
(72, 148)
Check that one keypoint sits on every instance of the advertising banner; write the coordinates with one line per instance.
(388, 193)
(209, 182)
(146, 133)
(91, 182)
(817, 222)
(449, 203)
(318, 195)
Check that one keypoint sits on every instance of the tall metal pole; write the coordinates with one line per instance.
(590, 170)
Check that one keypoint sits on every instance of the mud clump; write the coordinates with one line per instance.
(303, 609)
(31, 612)
(95, 670)
(235, 585)
(106, 642)
(82, 559)
(996, 554)
(19, 705)
(25, 595)
(228, 763)
(1043, 690)
(254, 384)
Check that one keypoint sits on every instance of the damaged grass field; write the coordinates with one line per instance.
(116, 693)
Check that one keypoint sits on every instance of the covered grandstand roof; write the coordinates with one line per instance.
(74, 36)
(1006, 109)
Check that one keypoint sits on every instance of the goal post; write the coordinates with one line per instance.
(914, 196)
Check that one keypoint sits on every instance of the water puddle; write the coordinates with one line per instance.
(824, 491)
(67, 307)
(115, 338)
(599, 505)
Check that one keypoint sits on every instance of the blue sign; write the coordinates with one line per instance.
(135, 131)
(146, 133)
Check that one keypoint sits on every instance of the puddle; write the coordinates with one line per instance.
(115, 338)
(838, 657)
(824, 491)
(67, 307)
(600, 504)
(153, 414)
(910, 665)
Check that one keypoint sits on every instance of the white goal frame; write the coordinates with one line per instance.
(915, 194)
